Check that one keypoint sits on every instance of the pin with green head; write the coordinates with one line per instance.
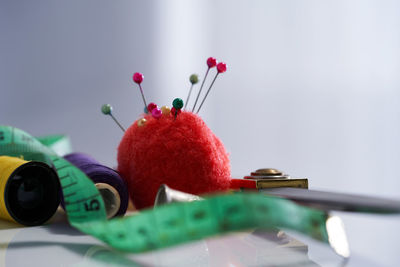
(194, 78)
(177, 105)
(106, 109)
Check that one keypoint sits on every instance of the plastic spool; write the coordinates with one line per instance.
(111, 198)
(29, 191)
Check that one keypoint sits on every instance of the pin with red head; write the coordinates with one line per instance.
(154, 110)
(211, 63)
(151, 106)
(221, 68)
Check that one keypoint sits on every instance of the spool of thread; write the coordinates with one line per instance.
(109, 183)
(29, 191)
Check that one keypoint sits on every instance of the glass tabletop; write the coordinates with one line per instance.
(372, 240)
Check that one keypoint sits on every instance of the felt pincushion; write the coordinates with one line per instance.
(180, 151)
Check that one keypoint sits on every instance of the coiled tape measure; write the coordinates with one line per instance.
(168, 224)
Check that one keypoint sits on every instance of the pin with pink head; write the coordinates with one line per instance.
(156, 113)
(138, 78)
(221, 68)
(211, 63)
(153, 109)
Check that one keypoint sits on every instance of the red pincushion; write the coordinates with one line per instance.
(182, 153)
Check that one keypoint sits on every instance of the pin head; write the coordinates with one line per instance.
(151, 106)
(175, 112)
(177, 103)
(106, 109)
(141, 122)
(221, 67)
(165, 110)
(138, 77)
(194, 78)
(156, 113)
(211, 62)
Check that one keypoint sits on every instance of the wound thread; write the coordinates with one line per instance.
(29, 191)
(101, 174)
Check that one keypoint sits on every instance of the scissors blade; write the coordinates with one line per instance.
(336, 201)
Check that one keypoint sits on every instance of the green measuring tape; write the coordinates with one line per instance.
(166, 225)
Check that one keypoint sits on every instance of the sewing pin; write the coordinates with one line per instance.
(177, 106)
(107, 109)
(194, 78)
(211, 63)
(138, 78)
(221, 68)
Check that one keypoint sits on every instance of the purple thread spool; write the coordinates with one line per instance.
(110, 184)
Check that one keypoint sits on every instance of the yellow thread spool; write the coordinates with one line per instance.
(29, 191)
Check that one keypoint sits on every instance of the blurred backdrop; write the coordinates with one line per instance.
(312, 87)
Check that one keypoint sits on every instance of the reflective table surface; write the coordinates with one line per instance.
(373, 240)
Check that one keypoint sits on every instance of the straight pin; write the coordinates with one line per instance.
(211, 63)
(138, 78)
(221, 68)
(107, 110)
(194, 78)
